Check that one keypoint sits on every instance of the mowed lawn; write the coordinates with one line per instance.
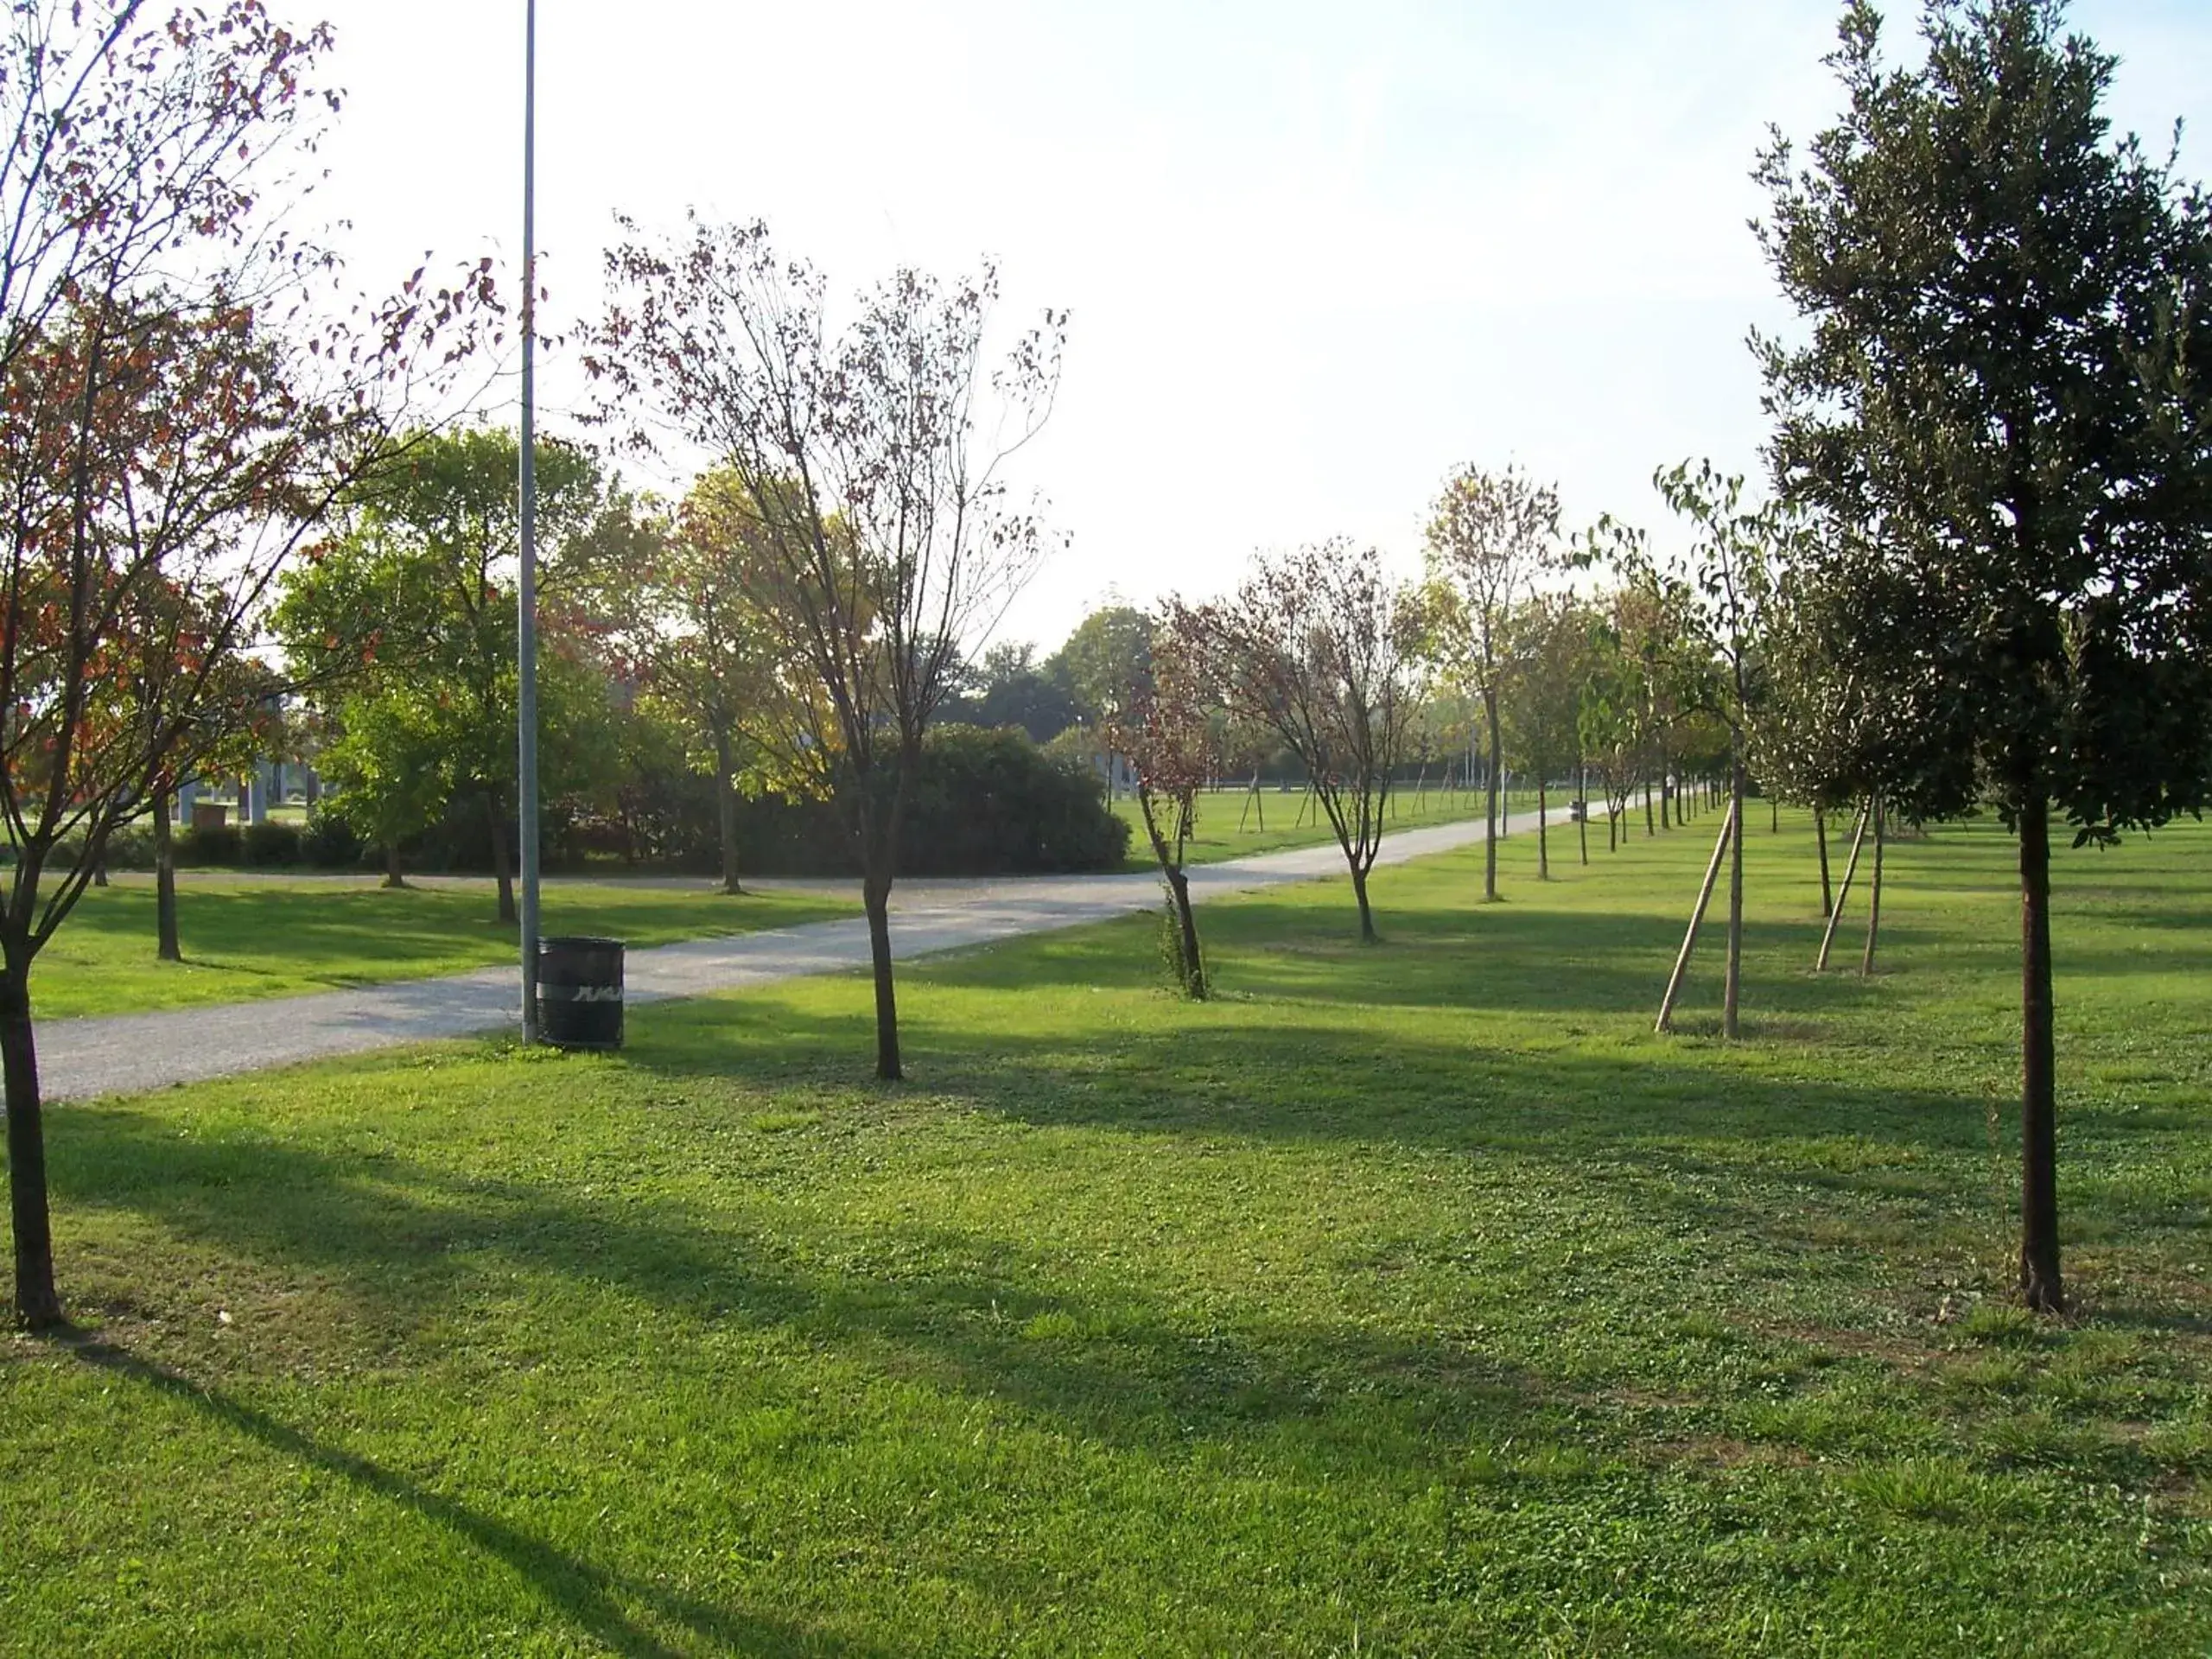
(1412, 1300)
(244, 937)
(1235, 823)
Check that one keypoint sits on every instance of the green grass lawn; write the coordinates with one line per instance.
(1230, 820)
(1411, 1299)
(244, 937)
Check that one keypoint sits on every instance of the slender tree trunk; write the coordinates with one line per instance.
(1821, 838)
(36, 1304)
(2039, 1281)
(1194, 970)
(1874, 893)
(166, 947)
(1367, 933)
(1774, 814)
(1649, 827)
(726, 811)
(875, 897)
(1666, 797)
(393, 875)
(501, 867)
(1843, 891)
(1544, 847)
(1490, 837)
(1582, 811)
(1732, 996)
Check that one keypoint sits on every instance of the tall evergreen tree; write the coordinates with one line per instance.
(2000, 411)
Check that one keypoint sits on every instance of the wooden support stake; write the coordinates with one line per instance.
(1842, 893)
(1697, 920)
(1874, 893)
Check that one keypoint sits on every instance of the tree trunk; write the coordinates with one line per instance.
(1367, 933)
(1194, 972)
(1682, 973)
(1874, 893)
(1490, 837)
(36, 1304)
(1843, 892)
(1649, 828)
(1543, 846)
(726, 811)
(1732, 994)
(393, 875)
(500, 869)
(2039, 1281)
(1774, 814)
(1666, 798)
(1582, 811)
(166, 947)
(1821, 838)
(875, 896)
(99, 870)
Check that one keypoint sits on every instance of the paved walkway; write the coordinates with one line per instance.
(128, 1053)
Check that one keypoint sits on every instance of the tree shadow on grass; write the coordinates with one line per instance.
(412, 1243)
(590, 1596)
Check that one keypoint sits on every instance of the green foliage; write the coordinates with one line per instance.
(1999, 411)
(1105, 660)
(269, 843)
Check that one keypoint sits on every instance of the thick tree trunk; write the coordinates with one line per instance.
(167, 946)
(726, 811)
(2039, 1281)
(875, 897)
(1731, 996)
(36, 1304)
(393, 875)
(501, 867)
(1543, 846)
(1821, 838)
(99, 871)
(1490, 837)
(1367, 933)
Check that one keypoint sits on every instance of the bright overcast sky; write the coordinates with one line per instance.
(1316, 254)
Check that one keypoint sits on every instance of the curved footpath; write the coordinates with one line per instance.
(128, 1053)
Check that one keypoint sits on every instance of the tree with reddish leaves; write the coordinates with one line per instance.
(183, 397)
(874, 461)
(1164, 728)
(1323, 649)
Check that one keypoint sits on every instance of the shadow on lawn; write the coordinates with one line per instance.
(413, 1244)
(590, 1595)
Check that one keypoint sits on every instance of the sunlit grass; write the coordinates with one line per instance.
(1406, 1300)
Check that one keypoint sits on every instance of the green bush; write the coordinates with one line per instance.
(270, 843)
(981, 803)
(330, 842)
(219, 844)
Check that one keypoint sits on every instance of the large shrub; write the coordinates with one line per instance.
(982, 803)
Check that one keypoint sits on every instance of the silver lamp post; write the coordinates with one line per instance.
(526, 586)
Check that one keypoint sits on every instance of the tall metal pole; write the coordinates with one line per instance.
(526, 587)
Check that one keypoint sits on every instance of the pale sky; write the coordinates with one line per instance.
(1316, 255)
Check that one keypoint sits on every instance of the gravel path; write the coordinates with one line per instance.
(127, 1054)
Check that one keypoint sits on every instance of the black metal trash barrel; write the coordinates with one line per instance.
(580, 992)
